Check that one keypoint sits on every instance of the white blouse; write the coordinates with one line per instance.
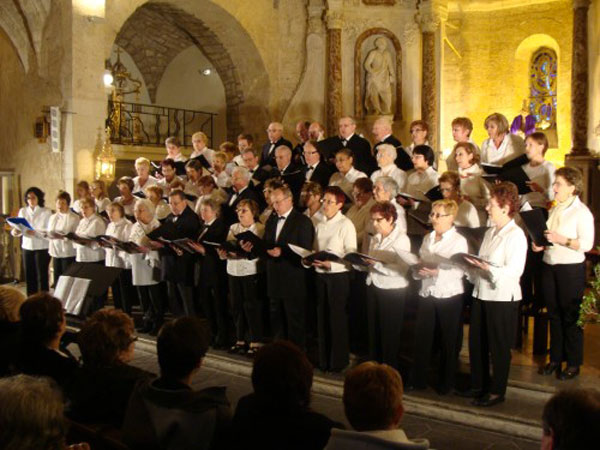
(346, 182)
(121, 231)
(102, 204)
(511, 147)
(144, 266)
(90, 227)
(507, 249)
(338, 236)
(544, 176)
(38, 218)
(242, 267)
(392, 273)
(393, 171)
(62, 223)
(574, 221)
(137, 187)
(448, 282)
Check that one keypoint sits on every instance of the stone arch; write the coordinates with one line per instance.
(359, 109)
(175, 29)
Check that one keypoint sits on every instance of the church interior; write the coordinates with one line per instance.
(89, 86)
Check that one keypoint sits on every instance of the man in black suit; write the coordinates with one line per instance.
(315, 169)
(302, 135)
(382, 131)
(275, 133)
(290, 173)
(240, 189)
(286, 278)
(177, 266)
(258, 175)
(363, 159)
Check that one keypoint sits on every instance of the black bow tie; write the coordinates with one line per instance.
(281, 218)
(311, 167)
(344, 142)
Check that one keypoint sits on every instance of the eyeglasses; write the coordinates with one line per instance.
(437, 215)
(242, 210)
(377, 219)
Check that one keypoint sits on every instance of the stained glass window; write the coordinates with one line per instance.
(542, 88)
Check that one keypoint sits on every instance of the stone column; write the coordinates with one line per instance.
(334, 71)
(579, 78)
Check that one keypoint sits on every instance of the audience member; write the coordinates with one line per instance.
(11, 300)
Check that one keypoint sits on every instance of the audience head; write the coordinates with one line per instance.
(11, 300)
(311, 153)
(282, 376)
(87, 206)
(442, 215)
(34, 197)
(270, 185)
(173, 145)
(568, 181)
(116, 211)
(250, 158)
(107, 338)
(168, 169)
(570, 420)
(247, 211)
(240, 178)
(383, 215)
(99, 190)
(461, 129)
(333, 200)
(154, 194)
(346, 126)
(536, 145)
(423, 157)
(362, 191)
(466, 154)
(373, 397)
(177, 202)
(142, 167)
(209, 209)
(382, 127)
(82, 189)
(450, 185)
(274, 131)
(311, 194)
(283, 156)
(143, 211)
(282, 199)
(42, 319)
(125, 185)
(199, 141)
(63, 201)
(386, 155)
(316, 132)
(181, 346)
(344, 160)
(302, 130)
(245, 141)
(385, 189)
(504, 202)
(418, 132)
(496, 125)
(32, 414)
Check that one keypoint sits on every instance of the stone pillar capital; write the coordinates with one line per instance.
(431, 14)
(581, 4)
(334, 20)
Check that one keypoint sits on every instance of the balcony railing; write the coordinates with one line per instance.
(139, 124)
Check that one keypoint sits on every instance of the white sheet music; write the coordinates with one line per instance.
(71, 291)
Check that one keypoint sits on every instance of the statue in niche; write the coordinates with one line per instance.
(379, 66)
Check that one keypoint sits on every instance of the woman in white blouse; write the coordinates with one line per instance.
(35, 248)
(64, 221)
(467, 215)
(311, 197)
(571, 231)
(440, 298)
(472, 186)
(244, 283)
(539, 170)
(501, 146)
(145, 268)
(496, 296)
(161, 207)
(424, 177)
(347, 174)
(335, 234)
(126, 199)
(120, 229)
(387, 284)
(143, 179)
(100, 196)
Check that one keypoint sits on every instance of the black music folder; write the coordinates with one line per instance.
(535, 223)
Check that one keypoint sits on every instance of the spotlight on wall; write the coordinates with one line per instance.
(108, 78)
(206, 72)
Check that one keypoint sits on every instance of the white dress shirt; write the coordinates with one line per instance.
(543, 175)
(418, 183)
(62, 223)
(392, 273)
(448, 282)
(90, 227)
(336, 235)
(38, 218)
(235, 194)
(310, 170)
(361, 218)
(467, 215)
(102, 204)
(511, 147)
(242, 267)
(574, 221)
(393, 171)
(281, 222)
(144, 266)
(150, 181)
(120, 230)
(346, 182)
(507, 249)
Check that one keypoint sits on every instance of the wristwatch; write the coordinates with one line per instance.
(568, 244)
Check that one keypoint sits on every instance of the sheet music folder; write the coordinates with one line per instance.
(535, 222)
(101, 276)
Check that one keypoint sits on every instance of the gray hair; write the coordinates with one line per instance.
(389, 185)
(387, 149)
(212, 204)
(285, 148)
(145, 203)
(245, 173)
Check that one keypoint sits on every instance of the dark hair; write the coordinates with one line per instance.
(181, 345)
(427, 153)
(572, 176)
(173, 140)
(228, 147)
(506, 194)
(450, 177)
(469, 148)
(38, 193)
(126, 180)
(177, 193)
(63, 195)
(247, 137)
(571, 417)
(420, 123)
(207, 180)
(364, 185)
(386, 209)
(337, 192)
(346, 151)
(282, 376)
(539, 138)
(168, 162)
(194, 164)
(41, 318)
(104, 335)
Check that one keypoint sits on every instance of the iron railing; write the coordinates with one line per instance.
(140, 124)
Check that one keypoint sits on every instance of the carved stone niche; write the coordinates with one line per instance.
(365, 43)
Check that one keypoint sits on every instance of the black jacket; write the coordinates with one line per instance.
(42, 361)
(269, 158)
(321, 174)
(293, 176)
(403, 160)
(210, 269)
(363, 159)
(228, 212)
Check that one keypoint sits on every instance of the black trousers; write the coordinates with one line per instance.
(247, 308)
(333, 290)
(492, 332)
(442, 314)
(357, 313)
(60, 266)
(563, 286)
(36, 263)
(385, 309)
(181, 299)
(212, 300)
(151, 301)
(124, 294)
(288, 318)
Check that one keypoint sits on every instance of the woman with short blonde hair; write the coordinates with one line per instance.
(143, 179)
(501, 146)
